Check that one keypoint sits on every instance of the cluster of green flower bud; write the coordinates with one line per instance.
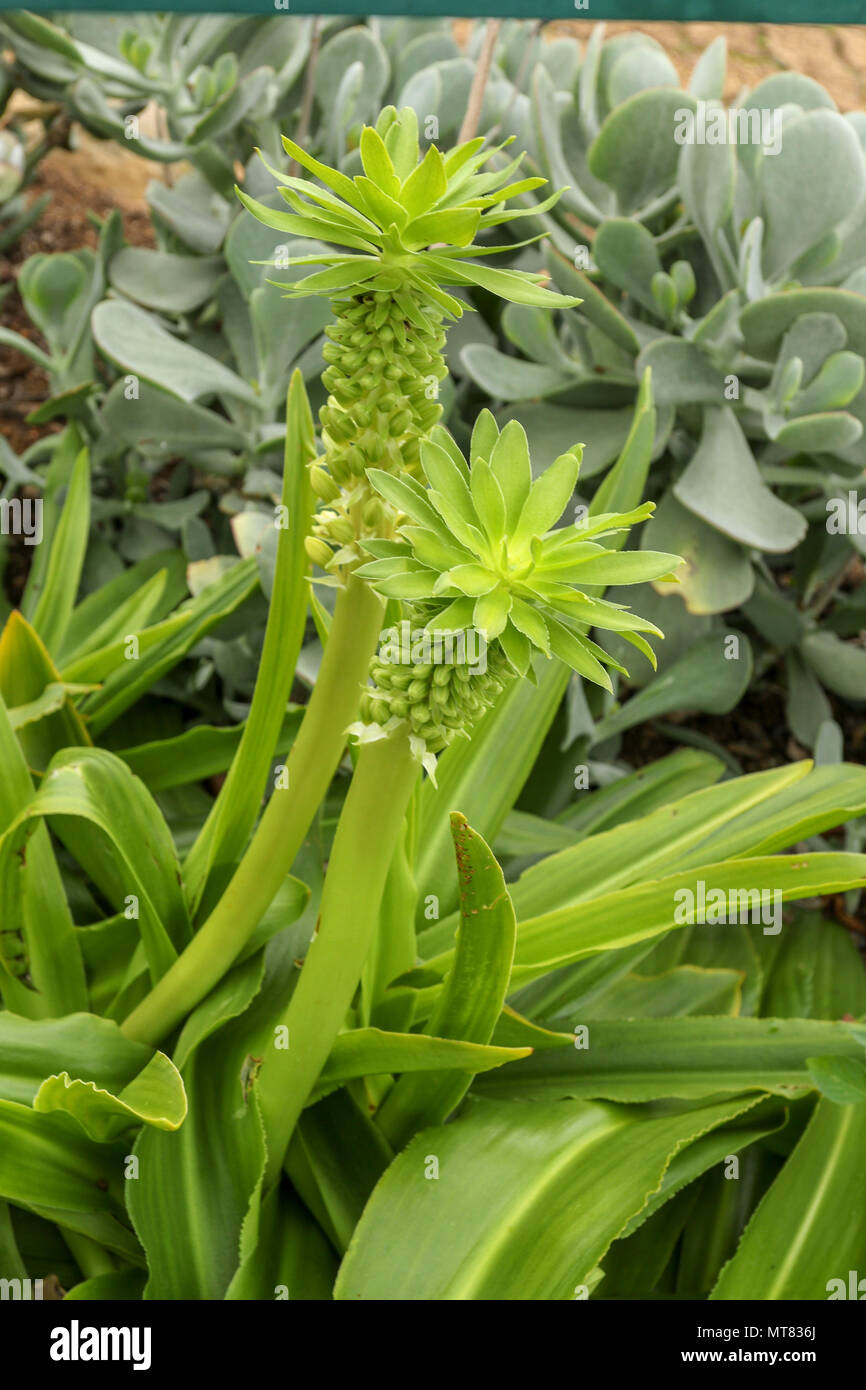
(383, 377)
(438, 700)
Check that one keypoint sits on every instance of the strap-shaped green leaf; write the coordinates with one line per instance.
(807, 1234)
(36, 928)
(514, 1200)
(485, 777)
(138, 596)
(154, 1097)
(96, 795)
(47, 1162)
(128, 679)
(645, 910)
(225, 832)
(372, 1052)
(685, 1058)
(57, 599)
(465, 1009)
(198, 1186)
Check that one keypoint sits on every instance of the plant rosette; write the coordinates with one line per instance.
(408, 225)
(491, 582)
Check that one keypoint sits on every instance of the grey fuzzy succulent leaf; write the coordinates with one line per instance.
(705, 263)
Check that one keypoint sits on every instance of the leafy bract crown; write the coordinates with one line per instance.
(408, 220)
(477, 548)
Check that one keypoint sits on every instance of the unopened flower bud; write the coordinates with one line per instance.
(320, 553)
(342, 530)
(400, 422)
(323, 484)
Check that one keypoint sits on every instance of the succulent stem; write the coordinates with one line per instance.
(367, 836)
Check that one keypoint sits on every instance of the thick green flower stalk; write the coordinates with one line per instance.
(409, 223)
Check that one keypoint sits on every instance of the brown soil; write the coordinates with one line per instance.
(835, 55)
(755, 733)
(85, 185)
(95, 178)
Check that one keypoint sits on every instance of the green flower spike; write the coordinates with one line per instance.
(408, 224)
(476, 551)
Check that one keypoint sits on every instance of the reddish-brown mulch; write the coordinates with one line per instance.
(64, 226)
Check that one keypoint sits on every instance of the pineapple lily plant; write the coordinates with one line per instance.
(294, 1018)
(397, 286)
(429, 202)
